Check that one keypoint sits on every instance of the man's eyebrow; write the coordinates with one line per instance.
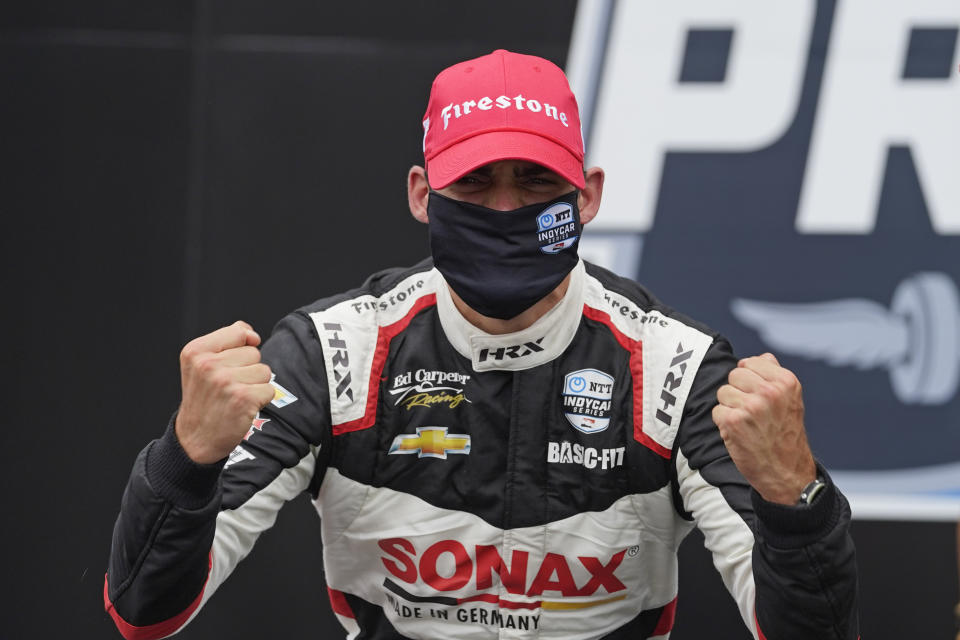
(530, 170)
(521, 171)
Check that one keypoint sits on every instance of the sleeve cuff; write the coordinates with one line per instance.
(794, 526)
(177, 478)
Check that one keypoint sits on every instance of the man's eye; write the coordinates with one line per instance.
(537, 181)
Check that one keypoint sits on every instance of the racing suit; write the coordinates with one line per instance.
(528, 485)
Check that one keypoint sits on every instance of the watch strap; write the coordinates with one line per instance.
(809, 493)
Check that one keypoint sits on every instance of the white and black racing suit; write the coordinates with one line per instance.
(528, 485)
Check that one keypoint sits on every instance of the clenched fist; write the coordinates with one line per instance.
(224, 385)
(760, 417)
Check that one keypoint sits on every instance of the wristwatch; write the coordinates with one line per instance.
(810, 492)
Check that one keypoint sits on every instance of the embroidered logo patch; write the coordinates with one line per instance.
(281, 397)
(425, 388)
(587, 397)
(431, 442)
(256, 425)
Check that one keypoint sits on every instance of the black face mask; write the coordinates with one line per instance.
(503, 262)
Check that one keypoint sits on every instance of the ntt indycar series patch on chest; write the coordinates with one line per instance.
(587, 397)
(556, 228)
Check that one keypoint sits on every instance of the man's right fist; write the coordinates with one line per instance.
(224, 385)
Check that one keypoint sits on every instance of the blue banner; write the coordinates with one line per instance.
(789, 173)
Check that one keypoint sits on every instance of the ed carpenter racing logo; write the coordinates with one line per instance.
(425, 388)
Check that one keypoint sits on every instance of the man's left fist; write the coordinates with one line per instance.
(760, 417)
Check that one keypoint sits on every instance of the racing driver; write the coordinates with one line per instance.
(502, 441)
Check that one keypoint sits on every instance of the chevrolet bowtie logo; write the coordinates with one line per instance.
(431, 442)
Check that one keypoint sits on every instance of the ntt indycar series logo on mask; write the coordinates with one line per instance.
(556, 229)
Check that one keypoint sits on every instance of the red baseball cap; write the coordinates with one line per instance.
(501, 106)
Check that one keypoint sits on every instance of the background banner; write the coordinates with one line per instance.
(789, 172)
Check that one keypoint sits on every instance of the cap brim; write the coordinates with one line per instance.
(463, 157)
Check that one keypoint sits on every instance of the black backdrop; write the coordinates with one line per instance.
(170, 167)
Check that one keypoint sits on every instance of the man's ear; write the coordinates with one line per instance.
(589, 199)
(418, 192)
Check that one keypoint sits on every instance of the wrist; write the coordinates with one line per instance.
(786, 493)
(786, 489)
(788, 526)
(194, 448)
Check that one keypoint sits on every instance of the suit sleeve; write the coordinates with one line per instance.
(183, 527)
(791, 569)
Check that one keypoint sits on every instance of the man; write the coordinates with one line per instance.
(505, 441)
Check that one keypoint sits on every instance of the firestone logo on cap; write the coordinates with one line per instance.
(498, 107)
(486, 103)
